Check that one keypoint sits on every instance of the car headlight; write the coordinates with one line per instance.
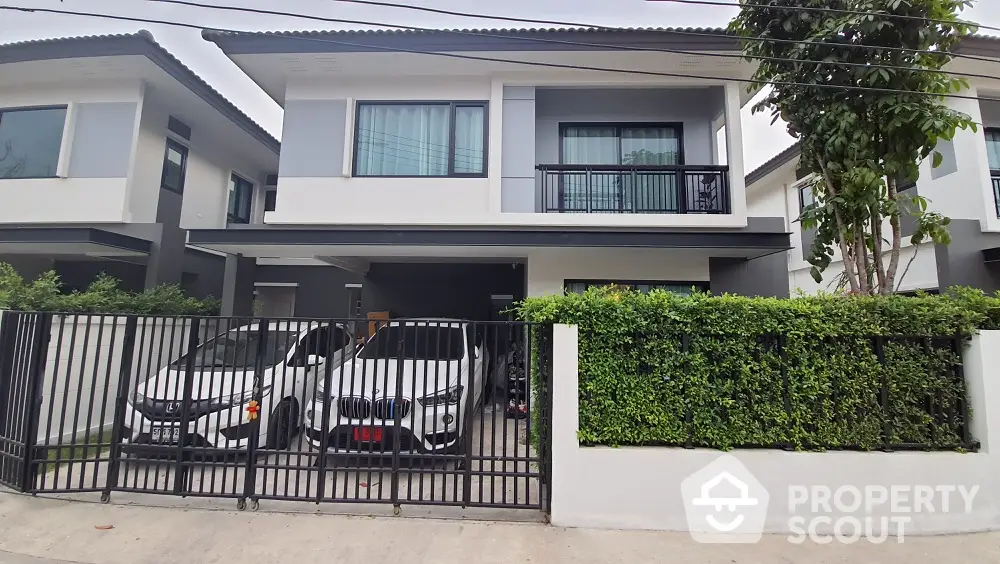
(447, 397)
(239, 398)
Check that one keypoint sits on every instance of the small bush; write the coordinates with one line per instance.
(731, 371)
(102, 296)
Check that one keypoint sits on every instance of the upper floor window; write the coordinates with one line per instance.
(240, 199)
(614, 144)
(420, 139)
(174, 167)
(806, 197)
(30, 140)
(993, 148)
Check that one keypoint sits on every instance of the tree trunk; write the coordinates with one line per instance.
(849, 267)
(876, 219)
(897, 238)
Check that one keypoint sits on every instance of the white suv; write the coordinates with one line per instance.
(418, 378)
(222, 387)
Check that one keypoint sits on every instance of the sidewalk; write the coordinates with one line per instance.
(46, 531)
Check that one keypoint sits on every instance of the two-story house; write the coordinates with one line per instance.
(448, 172)
(965, 187)
(110, 148)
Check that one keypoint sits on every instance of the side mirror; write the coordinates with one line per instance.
(476, 352)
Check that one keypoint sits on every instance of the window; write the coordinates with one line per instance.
(993, 148)
(806, 197)
(416, 342)
(29, 142)
(643, 286)
(431, 139)
(626, 145)
(240, 198)
(270, 200)
(174, 167)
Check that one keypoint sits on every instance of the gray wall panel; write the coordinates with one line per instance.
(312, 142)
(517, 184)
(765, 276)
(961, 263)
(102, 140)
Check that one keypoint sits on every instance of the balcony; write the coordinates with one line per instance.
(636, 189)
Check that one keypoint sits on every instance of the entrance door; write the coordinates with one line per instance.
(274, 301)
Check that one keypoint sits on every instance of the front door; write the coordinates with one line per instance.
(274, 301)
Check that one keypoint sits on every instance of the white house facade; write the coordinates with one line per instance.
(110, 148)
(450, 172)
(965, 187)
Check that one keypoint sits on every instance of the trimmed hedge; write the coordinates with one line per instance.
(730, 371)
(102, 296)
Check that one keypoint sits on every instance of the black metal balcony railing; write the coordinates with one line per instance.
(995, 176)
(681, 189)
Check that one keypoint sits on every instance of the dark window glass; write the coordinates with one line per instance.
(238, 349)
(174, 167)
(419, 342)
(30, 142)
(682, 288)
(240, 198)
(993, 147)
(441, 139)
(270, 199)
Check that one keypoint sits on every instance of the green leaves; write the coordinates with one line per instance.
(663, 369)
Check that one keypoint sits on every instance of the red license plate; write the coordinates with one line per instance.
(368, 434)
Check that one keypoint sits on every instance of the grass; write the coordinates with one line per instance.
(89, 450)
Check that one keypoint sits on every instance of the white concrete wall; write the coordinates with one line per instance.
(640, 487)
(66, 199)
(922, 273)
(548, 269)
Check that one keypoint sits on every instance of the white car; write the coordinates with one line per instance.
(222, 387)
(416, 377)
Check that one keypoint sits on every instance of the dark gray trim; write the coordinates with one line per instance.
(140, 43)
(766, 240)
(773, 164)
(74, 235)
(468, 40)
(179, 127)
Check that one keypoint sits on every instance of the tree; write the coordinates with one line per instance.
(860, 144)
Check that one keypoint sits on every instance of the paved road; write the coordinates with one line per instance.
(39, 530)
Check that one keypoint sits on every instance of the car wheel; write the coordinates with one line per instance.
(284, 425)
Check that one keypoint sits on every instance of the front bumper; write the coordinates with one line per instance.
(425, 430)
(226, 428)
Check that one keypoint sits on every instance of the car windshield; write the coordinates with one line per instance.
(238, 350)
(416, 342)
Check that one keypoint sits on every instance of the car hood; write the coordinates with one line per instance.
(376, 378)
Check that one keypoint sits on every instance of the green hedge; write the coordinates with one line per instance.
(102, 296)
(730, 371)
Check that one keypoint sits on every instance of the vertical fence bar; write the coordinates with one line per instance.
(124, 376)
(688, 411)
(467, 418)
(546, 363)
(956, 348)
(397, 420)
(884, 394)
(250, 482)
(786, 390)
(181, 468)
(36, 376)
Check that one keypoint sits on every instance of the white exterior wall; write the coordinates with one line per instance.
(66, 199)
(640, 487)
(547, 270)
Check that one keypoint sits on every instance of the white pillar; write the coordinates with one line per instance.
(565, 423)
(734, 150)
(980, 362)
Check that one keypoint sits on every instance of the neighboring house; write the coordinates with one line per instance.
(448, 186)
(109, 149)
(966, 188)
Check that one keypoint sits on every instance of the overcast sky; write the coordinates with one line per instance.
(761, 140)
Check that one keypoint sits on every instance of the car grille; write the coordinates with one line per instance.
(362, 408)
(159, 410)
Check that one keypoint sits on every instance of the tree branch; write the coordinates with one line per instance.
(852, 278)
(897, 238)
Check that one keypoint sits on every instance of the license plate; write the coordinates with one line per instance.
(368, 434)
(166, 434)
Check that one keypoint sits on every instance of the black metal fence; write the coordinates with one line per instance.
(430, 412)
(673, 189)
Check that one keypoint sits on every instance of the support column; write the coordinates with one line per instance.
(734, 150)
(237, 285)
(565, 424)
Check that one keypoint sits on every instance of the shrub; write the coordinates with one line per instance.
(102, 296)
(728, 371)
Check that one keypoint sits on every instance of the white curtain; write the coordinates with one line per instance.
(469, 137)
(589, 146)
(402, 140)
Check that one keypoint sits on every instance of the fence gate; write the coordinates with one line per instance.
(428, 412)
(23, 342)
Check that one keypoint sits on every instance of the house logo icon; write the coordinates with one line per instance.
(725, 503)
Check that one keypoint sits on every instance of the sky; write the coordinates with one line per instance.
(761, 139)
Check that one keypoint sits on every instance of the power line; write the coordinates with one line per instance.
(827, 10)
(555, 41)
(674, 31)
(509, 61)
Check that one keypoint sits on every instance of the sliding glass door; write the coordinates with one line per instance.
(622, 146)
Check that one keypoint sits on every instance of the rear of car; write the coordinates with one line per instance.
(412, 387)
